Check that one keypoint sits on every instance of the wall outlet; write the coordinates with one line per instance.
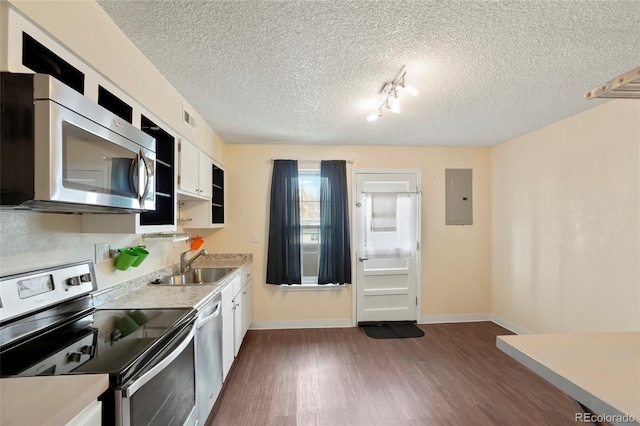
(102, 253)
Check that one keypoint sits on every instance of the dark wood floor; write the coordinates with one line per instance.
(454, 375)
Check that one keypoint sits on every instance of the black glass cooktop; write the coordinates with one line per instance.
(99, 341)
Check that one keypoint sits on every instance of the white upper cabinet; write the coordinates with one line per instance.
(194, 172)
(188, 168)
(209, 213)
(200, 189)
(204, 177)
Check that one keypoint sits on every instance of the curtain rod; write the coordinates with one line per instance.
(309, 161)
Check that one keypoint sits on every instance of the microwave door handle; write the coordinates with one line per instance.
(149, 174)
(132, 170)
(156, 369)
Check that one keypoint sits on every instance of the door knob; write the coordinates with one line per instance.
(362, 259)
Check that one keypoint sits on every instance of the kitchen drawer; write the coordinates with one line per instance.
(246, 274)
(237, 283)
(230, 291)
(227, 294)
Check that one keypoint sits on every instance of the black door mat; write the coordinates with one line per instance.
(391, 329)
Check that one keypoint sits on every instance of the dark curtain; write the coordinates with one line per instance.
(335, 244)
(283, 257)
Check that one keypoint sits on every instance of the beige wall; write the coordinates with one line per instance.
(30, 240)
(455, 259)
(565, 215)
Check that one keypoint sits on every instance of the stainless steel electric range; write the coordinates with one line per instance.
(50, 326)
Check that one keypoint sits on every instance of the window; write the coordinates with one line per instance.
(308, 225)
(309, 188)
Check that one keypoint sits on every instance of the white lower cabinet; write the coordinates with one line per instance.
(247, 305)
(227, 329)
(238, 334)
(236, 316)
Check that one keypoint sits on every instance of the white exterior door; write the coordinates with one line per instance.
(387, 238)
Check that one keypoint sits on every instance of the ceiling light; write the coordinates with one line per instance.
(395, 105)
(389, 92)
(625, 86)
(410, 90)
(374, 117)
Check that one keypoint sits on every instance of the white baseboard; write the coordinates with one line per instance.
(510, 325)
(426, 319)
(320, 323)
(439, 319)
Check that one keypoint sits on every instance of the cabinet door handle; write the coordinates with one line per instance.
(244, 292)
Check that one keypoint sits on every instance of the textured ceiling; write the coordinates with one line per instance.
(310, 71)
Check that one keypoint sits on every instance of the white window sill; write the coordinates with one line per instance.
(311, 287)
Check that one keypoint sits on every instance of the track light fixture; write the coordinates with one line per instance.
(390, 92)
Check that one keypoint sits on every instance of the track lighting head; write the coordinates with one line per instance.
(374, 117)
(410, 90)
(395, 105)
(390, 93)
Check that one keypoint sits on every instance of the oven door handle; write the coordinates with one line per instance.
(201, 323)
(134, 386)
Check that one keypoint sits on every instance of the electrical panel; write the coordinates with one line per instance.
(459, 196)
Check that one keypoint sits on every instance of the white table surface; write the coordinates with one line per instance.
(48, 400)
(599, 370)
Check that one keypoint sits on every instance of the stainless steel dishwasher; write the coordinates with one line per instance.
(208, 357)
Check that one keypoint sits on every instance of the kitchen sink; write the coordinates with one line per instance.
(200, 276)
(181, 279)
(210, 275)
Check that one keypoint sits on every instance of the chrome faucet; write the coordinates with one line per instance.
(184, 263)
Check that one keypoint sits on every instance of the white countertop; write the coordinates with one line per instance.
(175, 296)
(599, 370)
(48, 400)
(166, 296)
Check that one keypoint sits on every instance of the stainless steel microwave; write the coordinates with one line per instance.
(62, 152)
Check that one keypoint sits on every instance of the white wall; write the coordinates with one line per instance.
(565, 223)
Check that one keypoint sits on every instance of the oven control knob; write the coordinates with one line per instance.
(74, 357)
(87, 350)
(73, 281)
(85, 278)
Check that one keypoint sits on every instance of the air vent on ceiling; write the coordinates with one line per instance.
(625, 86)
(188, 118)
